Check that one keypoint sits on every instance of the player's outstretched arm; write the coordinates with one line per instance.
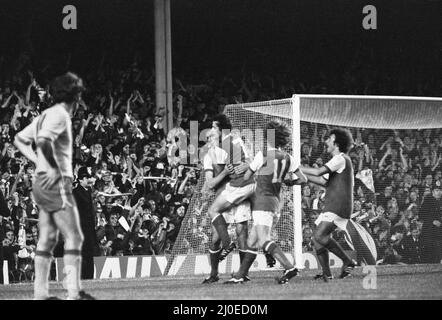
(317, 172)
(300, 179)
(317, 180)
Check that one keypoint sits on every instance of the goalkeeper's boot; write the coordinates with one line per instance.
(211, 279)
(347, 268)
(287, 275)
(234, 280)
(225, 251)
(323, 277)
(270, 260)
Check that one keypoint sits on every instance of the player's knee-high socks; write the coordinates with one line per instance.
(335, 248)
(72, 262)
(220, 224)
(323, 258)
(42, 262)
(248, 257)
(242, 254)
(275, 250)
(214, 251)
(242, 241)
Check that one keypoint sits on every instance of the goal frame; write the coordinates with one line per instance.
(297, 206)
(296, 153)
(363, 114)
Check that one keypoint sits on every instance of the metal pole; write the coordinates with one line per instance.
(297, 209)
(163, 61)
(160, 74)
(168, 67)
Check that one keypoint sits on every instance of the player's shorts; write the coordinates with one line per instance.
(341, 223)
(54, 199)
(239, 213)
(265, 203)
(265, 218)
(236, 195)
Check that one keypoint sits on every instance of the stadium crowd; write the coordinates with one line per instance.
(141, 192)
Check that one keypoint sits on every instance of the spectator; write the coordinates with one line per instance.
(4, 213)
(111, 228)
(412, 247)
(431, 215)
(83, 197)
(383, 198)
(10, 249)
(142, 242)
(307, 243)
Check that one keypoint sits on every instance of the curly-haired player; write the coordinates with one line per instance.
(271, 168)
(338, 204)
(52, 188)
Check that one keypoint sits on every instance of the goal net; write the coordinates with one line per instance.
(398, 144)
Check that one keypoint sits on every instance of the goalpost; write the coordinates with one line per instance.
(379, 113)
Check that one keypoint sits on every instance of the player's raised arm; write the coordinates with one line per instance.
(23, 141)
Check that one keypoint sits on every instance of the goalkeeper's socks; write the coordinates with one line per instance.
(220, 224)
(323, 259)
(214, 261)
(272, 248)
(336, 249)
(246, 263)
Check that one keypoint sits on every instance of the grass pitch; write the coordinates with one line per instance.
(392, 282)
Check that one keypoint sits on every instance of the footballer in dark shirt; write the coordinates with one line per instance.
(338, 204)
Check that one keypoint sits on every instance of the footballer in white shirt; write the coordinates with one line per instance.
(52, 187)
